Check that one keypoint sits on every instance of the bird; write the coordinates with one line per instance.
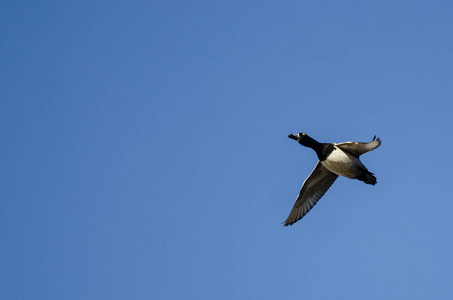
(334, 160)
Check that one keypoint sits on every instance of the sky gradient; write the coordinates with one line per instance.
(145, 151)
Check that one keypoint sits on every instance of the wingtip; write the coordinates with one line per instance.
(288, 222)
(376, 139)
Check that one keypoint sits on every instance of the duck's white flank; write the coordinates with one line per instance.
(343, 163)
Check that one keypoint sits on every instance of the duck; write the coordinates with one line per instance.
(335, 159)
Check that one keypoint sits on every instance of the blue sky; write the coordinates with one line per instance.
(145, 151)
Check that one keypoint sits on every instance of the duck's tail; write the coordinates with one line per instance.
(368, 178)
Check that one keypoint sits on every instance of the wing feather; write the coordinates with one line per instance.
(359, 148)
(313, 188)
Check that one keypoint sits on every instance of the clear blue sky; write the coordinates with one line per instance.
(144, 149)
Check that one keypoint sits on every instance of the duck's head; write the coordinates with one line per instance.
(303, 139)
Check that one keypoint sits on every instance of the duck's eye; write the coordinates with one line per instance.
(303, 133)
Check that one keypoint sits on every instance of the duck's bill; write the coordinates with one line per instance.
(292, 136)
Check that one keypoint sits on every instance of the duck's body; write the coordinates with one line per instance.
(345, 164)
(334, 160)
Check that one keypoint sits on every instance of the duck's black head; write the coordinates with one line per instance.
(303, 139)
(307, 141)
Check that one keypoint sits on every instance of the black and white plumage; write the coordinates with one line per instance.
(334, 160)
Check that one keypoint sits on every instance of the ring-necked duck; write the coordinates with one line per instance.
(334, 160)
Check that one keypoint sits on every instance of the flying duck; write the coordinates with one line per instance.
(334, 160)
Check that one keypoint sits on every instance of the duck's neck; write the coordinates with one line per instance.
(317, 146)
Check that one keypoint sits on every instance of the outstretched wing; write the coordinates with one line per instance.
(357, 148)
(313, 188)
